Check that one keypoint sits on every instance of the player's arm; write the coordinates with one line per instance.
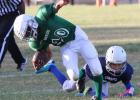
(49, 10)
(60, 4)
(129, 89)
(36, 45)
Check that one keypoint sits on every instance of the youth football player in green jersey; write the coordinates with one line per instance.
(47, 28)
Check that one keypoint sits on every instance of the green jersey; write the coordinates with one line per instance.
(52, 29)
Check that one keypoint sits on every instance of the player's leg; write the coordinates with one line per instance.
(58, 74)
(90, 55)
(113, 2)
(16, 54)
(66, 84)
(81, 82)
(105, 87)
(91, 91)
(5, 31)
(70, 61)
(51, 67)
(98, 3)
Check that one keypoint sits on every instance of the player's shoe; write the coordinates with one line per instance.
(21, 66)
(80, 85)
(89, 91)
(94, 98)
(46, 67)
(79, 94)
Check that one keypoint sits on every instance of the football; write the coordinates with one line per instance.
(40, 58)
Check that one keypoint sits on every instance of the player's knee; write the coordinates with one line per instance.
(72, 74)
(69, 85)
(97, 72)
(95, 67)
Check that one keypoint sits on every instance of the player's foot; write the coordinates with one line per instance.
(89, 91)
(21, 66)
(80, 85)
(94, 98)
(46, 67)
(79, 94)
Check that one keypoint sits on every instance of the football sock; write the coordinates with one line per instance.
(82, 73)
(81, 81)
(58, 74)
(98, 86)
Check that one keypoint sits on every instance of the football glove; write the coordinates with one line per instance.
(127, 93)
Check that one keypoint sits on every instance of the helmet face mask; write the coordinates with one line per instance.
(116, 60)
(31, 30)
(115, 69)
(25, 27)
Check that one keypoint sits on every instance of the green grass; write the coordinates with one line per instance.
(105, 26)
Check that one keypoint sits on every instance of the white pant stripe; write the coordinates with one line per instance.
(4, 42)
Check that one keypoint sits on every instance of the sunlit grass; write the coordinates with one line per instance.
(122, 15)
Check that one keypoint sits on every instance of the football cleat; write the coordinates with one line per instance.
(79, 94)
(94, 98)
(21, 66)
(89, 91)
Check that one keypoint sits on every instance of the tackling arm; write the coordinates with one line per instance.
(126, 80)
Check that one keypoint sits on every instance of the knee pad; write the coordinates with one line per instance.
(69, 85)
(72, 74)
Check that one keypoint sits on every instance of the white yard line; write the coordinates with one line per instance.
(45, 91)
(122, 41)
(17, 75)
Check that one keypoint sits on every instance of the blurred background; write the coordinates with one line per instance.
(92, 2)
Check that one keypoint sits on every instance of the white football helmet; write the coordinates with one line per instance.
(116, 55)
(25, 27)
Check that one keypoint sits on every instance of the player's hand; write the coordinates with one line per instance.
(127, 93)
(61, 3)
(40, 58)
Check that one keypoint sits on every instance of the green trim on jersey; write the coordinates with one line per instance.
(52, 29)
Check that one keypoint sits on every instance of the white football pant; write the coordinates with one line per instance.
(105, 87)
(81, 45)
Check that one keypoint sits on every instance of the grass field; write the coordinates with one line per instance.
(105, 26)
